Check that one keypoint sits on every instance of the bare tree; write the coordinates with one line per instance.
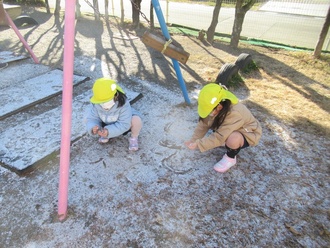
(152, 20)
(242, 6)
(122, 12)
(78, 12)
(136, 6)
(47, 6)
(106, 9)
(96, 10)
(57, 7)
(211, 30)
(323, 34)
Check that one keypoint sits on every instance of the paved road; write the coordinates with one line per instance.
(290, 24)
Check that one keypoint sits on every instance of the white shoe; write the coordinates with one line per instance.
(133, 144)
(225, 164)
(103, 140)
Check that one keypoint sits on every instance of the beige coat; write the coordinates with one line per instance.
(239, 118)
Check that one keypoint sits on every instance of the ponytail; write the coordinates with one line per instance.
(120, 98)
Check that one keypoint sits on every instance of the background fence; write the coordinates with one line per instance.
(295, 23)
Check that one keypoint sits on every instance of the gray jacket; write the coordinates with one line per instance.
(116, 120)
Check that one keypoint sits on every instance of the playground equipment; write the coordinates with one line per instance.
(6, 19)
(166, 34)
(164, 46)
(229, 70)
(24, 19)
(69, 31)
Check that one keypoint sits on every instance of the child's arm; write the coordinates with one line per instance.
(191, 145)
(201, 129)
(199, 132)
(92, 121)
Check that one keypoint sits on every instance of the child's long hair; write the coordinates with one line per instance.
(120, 98)
(221, 116)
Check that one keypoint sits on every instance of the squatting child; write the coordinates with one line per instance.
(232, 123)
(110, 114)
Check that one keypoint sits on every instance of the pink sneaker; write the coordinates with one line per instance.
(133, 144)
(224, 164)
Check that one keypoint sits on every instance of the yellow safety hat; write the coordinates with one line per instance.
(104, 90)
(210, 96)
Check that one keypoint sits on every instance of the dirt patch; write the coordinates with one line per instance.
(165, 195)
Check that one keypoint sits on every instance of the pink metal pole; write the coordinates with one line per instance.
(12, 24)
(69, 31)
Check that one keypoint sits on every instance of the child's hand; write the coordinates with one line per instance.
(95, 129)
(191, 145)
(103, 133)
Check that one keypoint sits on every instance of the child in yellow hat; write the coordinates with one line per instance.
(232, 123)
(110, 114)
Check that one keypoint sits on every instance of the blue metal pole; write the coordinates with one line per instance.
(167, 36)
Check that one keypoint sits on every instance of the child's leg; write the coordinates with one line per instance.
(234, 143)
(235, 140)
(103, 140)
(136, 126)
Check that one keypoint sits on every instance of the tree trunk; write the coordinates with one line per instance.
(122, 12)
(152, 19)
(237, 29)
(47, 6)
(106, 9)
(96, 10)
(211, 30)
(78, 12)
(323, 34)
(240, 11)
(136, 6)
(57, 8)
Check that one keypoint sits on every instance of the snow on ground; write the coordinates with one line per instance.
(165, 195)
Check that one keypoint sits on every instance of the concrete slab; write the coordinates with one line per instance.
(20, 95)
(25, 145)
(20, 71)
(7, 57)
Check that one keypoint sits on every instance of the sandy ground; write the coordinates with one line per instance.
(164, 195)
